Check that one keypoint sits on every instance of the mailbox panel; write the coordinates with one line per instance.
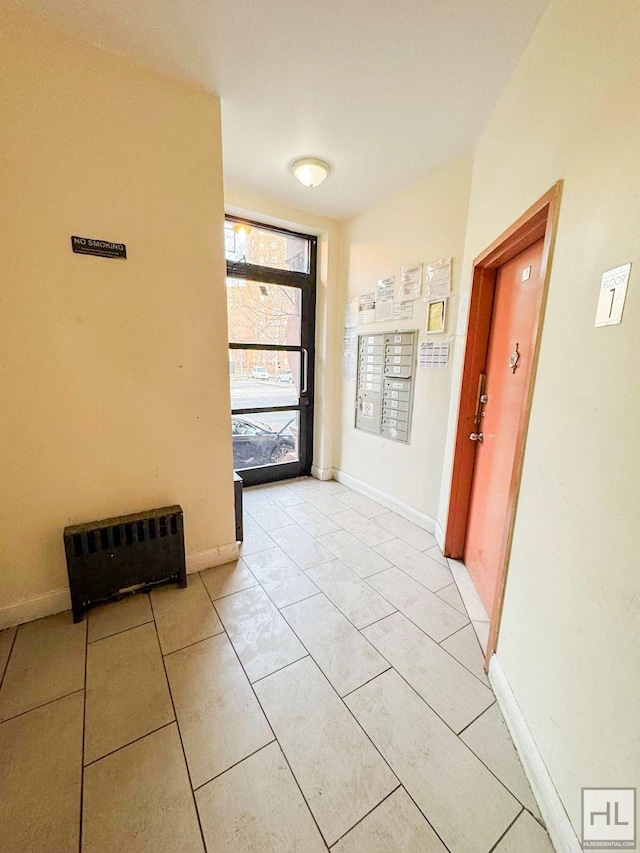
(385, 382)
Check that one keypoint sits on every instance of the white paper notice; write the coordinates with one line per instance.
(433, 355)
(613, 290)
(351, 313)
(463, 313)
(403, 310)
(367, 308)
(349, 348)
(410, 282)
(385, 288)
(438, 280)
(384, 310)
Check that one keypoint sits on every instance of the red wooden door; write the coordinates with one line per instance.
(512, 327)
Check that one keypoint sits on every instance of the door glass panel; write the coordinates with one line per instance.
(261, 246)
(261, 378)
(263, 313)
(266, 318)
(265, 438)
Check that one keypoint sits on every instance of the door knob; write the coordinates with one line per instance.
(476, 436)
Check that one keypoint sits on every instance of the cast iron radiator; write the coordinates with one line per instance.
(108, 558)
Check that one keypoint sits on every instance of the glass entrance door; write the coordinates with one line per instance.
(271, 309)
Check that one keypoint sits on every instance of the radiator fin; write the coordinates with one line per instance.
(122, 535)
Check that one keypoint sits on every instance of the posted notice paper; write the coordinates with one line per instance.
(351, 312)
(385, 288)
(367, 308)
(433, 355)
(410, 282)
(438, 280)
(349, 351)
(403, 310)
(384, 310)
(463, 314)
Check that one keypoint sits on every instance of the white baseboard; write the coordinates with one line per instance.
(420, 518)
(439, 534)
(212, 557)
(468, 592)
(553, 812)
(322, 473)
(35, 607)
(58, 600)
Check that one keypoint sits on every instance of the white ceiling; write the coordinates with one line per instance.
(385, 91)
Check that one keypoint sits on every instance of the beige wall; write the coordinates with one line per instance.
(570, 637)
(243, 202)
(422, 223)
(114, 373)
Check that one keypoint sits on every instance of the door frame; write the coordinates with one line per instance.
(538, 222)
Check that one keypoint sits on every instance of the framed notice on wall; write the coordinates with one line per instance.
(436, 316)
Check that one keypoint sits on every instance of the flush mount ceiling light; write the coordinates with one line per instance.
(241, 228)
(310, 171)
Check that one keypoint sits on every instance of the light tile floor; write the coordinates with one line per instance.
(326, 690)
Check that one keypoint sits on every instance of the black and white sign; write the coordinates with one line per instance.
(613, 290)
(101, 248)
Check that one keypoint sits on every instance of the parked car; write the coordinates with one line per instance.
(286, 376)
(255, 443)
(259, 373)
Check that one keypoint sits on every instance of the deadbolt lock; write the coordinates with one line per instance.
(481, 398)
(476, 436)
(514, 359)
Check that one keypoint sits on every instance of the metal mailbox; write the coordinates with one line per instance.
(385, 383)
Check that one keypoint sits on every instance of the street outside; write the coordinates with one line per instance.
(266, 314)
(249, 393)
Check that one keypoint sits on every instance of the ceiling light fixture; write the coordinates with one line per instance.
(310, 171)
